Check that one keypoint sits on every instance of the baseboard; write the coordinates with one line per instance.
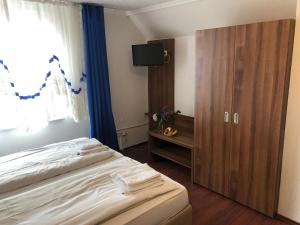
(286, 220)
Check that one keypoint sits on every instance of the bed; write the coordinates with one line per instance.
(84, 194)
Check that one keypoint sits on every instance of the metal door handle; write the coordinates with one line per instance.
(226, 117)
(236, 118)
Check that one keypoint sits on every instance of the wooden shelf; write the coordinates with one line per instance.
(174, 154)
(178, 148)
(183, 138)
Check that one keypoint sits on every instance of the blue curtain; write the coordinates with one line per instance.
(99, 100)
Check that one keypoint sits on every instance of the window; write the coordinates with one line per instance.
(41, 64)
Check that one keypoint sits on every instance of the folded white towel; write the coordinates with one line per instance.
(128, 189)
(136, 178)
(94, 150)
(90, 144)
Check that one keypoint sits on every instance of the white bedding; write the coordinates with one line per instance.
(156, 211)
(21, 169)
(85, 196)
(89, 196)
(136, 178)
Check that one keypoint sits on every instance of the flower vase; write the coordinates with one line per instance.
(161, 127)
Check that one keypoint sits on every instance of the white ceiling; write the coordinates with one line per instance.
(172, 18)
(125, 4)
(185, 19)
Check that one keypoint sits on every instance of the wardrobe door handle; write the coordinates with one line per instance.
(236, 118)
(226, 117)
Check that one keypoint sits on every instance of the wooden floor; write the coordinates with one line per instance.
(209, 208)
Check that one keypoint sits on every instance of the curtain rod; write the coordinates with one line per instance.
(56, 2)
(63, 2)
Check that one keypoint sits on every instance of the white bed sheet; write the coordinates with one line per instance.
(22, 169)
(156, 211)
(152, 212)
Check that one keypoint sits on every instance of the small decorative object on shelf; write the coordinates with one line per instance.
(170, 132)
(164, 117)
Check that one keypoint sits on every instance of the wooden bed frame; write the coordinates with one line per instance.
(184, 217)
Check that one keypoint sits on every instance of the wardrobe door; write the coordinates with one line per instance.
(214, 77)
(262, 66)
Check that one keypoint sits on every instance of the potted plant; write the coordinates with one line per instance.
(164, 117)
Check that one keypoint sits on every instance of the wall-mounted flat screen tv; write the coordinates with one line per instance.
(148, 55)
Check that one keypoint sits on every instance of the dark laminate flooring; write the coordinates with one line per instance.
(209, 208)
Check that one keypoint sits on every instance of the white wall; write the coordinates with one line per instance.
(185, 74)
(129, 85)
(61, 130)
(289, 201)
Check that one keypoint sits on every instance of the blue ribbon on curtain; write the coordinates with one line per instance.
(43, 85)
(102, 123)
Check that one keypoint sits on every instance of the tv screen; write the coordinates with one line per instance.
(148, 55)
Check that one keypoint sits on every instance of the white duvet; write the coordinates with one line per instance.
(28, 167)
(86, 197)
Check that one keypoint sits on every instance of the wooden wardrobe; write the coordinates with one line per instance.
(242, 80)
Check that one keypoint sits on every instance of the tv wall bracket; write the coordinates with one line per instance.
(167, 56)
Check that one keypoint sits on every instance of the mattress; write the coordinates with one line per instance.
(153, 211)
(156, 211)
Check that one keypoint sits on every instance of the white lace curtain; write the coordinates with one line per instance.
(41, 64)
